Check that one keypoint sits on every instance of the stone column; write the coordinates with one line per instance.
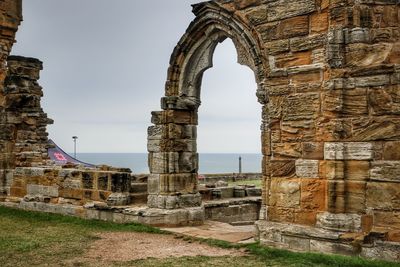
(11, 16)
(25, 120)
(173, 160)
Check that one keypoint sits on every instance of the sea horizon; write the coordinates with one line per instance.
(208, 162)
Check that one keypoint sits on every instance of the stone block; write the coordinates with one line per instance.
(387, 219)
(349, 151)
(370, 129)
(284, 193)
(293, 59)
(346, 197)
(313, 150)
(332, 248)
(226, 192)
(296, 110)
(387, 171)
(346, 102)
(34, 189)
(278, 10)
(307, 168)
(307, 43)
(347, 170)
(384, 196)
(277, 46)
(319, 22)
(174, 116)
(313, 194)
(339, 222)
(286, 150)
(385, 101)
(279, 214)
(183, 183)
(296, 243)
(298, 131)
(118, 199)
(388, 251)
(391, 150)
(282, 168)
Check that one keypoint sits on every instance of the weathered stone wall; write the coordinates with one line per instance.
(328, 82)
(10, 18)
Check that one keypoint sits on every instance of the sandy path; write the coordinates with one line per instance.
(135, 246)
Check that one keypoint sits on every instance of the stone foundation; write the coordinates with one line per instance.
(311, 239)
(143, 215)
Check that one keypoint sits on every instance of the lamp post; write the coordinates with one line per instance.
(74, 138)
(240, 165)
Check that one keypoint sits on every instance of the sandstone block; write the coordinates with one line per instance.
(339, 222)
(384, 196)
(388, 171)
(294, 131)
(346, 197)
(282, 168)
(349, 151)
(307, 168)
(174, 116)
(387, 219)
(278, 10)
(319, 22)
(34, 189)
(391, 150)
(286, 150)
(296, 110)
(313, 194)
(347, 170)
(332, 248)
(178, 183)
(313, 150)
(346, 102)
(385, 101)
(307, 43)
(370, 129)
(284, 193)
(293, 59)
(118, 199)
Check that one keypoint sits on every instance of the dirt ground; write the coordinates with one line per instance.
(136, 246)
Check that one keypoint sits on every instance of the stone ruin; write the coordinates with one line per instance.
(328, 76)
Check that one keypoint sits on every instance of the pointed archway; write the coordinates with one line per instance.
(173, 158)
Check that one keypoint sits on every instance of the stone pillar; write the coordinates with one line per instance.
(173, 159)
(10, 18)
(25, 120)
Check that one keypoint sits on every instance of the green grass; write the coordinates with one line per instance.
(33, 238)
(257, 182)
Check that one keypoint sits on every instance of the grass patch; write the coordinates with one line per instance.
(33, 238)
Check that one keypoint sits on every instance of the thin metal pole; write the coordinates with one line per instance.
(75, 137)
(240, 165)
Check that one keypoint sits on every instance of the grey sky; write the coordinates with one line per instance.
(105, 65)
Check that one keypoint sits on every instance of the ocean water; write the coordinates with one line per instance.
(208, 163)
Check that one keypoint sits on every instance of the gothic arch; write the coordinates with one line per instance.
(173, 158)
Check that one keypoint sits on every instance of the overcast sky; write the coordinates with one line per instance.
(105, 65)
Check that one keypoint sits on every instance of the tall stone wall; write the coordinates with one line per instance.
(11, 16)
(328, 83)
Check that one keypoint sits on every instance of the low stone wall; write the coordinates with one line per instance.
(234, 211)
(228, 177)
(137, 214)
(58, 185)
